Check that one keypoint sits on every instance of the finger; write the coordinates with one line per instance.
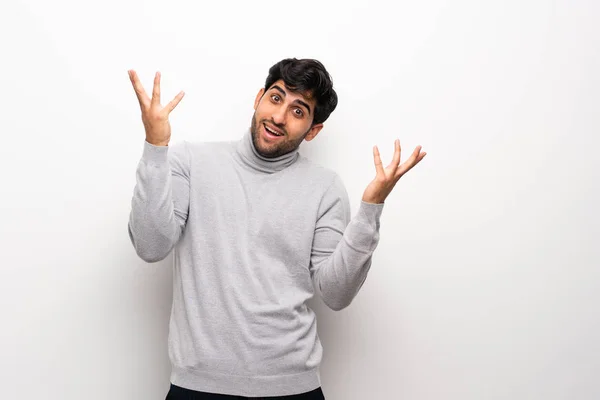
(418, 158)
(173, 103)
(377, 159)
(413, 157)
(413, 160)
(156, 89)
(140, 93)
(396, 160)
(143, 98)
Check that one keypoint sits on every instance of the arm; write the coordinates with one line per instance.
(343, 248)
(159, 207)
(160, 203)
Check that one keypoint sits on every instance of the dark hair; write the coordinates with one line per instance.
(306, 75)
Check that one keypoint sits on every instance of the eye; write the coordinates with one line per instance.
(298, 112)
(275, 97)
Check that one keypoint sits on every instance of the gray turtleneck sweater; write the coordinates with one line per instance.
(253, 239)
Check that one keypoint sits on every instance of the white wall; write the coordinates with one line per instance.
(486, 282)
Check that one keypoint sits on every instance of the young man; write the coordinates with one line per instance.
(256, 230)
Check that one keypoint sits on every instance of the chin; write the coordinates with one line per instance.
(259, 145)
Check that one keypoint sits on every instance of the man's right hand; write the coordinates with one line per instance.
(154, 116)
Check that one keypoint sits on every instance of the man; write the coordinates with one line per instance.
(256, 230)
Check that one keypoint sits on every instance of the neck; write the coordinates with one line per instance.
(249, 156)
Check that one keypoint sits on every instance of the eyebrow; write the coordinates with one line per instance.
(295, 101)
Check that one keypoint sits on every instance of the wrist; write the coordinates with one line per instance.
(373, 200)
(158, 143)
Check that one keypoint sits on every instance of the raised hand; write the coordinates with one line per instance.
(154, 116)
(385, 179)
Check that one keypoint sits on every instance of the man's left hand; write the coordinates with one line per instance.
(386, 179)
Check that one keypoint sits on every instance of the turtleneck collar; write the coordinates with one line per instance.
(249, 156)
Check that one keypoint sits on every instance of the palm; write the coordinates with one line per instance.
(154, 116)
(386, 178)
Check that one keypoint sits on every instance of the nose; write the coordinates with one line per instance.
(279, 116)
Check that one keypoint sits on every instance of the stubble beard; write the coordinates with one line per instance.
(285, 146)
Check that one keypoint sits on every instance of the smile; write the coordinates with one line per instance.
(272, 131)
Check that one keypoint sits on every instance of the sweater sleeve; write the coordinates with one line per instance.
(159, 207)
(342, 247)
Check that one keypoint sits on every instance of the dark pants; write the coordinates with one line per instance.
(179, 393)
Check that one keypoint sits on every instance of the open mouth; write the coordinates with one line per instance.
(272, 131)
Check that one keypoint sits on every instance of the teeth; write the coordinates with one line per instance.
(274, 133)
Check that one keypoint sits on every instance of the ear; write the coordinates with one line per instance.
(313, 132)
(258, 97)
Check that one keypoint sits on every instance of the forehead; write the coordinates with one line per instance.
(293, 95)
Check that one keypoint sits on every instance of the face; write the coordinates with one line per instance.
(282, 120)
